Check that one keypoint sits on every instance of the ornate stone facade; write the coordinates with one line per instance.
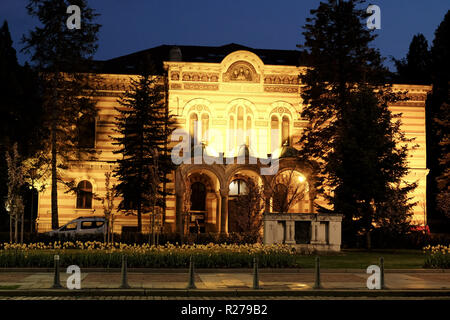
(239, 95)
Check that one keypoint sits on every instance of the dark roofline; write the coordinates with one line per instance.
(128, 64)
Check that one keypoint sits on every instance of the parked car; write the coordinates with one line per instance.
(81, 226)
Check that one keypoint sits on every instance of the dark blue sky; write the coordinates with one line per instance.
(133, 25)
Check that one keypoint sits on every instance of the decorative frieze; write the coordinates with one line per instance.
(281, 89)
(199, 76)
(201, 86)
(176, 86)
(280, 79)
(417, 96)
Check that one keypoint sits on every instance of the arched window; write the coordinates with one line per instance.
(193, 124)
(240, 126)
(86, 132)
(285, 131)
(238, 187)
(274, 134)
(249, 130)
(205, 127)
(84, 195)
(231, 134)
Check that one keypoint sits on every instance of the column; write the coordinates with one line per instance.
(179, 201)
(224, 210)
(218, 211)
(290, 232)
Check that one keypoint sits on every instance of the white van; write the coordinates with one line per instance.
(81, 226)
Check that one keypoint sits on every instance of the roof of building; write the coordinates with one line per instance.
(130, 63)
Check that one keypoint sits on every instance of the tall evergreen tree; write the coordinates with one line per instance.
(351, 139)
(437, 119)
(61, 56)
(443, 180)
(416, 68)
(144, 127)
(20, 108)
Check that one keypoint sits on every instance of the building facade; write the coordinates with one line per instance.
(243, 107)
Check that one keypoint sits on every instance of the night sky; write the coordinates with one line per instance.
(134, 25)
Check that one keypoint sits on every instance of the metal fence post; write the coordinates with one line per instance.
(317, 284)
(56, 277)
(255, 274)
(191, 283)
(124, 284)
(382, 273)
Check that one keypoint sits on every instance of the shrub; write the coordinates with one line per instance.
(437, 257)
(98, 254)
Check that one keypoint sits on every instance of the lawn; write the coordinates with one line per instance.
(361, 259)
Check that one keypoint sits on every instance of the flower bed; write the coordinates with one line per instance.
(98, 254)
(437, 257)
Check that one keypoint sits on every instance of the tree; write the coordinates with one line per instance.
(359, 154)
(443, 180)
(437, 117)
(416, 68)
(286, 190)
(108, 207)
(14, 202)
(20, 108)
(62, 56)
(144, 128)
(249, 208)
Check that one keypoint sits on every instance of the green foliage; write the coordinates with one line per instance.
(437, 124)
(61, 56)
(210, 256)
(437, 257)
(416, 68)
(357, 150)
(21, 111)
(144, 125)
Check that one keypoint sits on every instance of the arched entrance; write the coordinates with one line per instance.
(245, 202)
(202, 207)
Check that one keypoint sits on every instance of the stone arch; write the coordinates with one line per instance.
(213, 171)
(198, 105)
(284, 108)
(243, 56)
(87, 178)
(232, 170)
(304, 170)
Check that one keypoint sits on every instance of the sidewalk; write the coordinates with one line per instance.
(228, 280)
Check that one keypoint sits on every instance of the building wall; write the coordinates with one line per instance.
(217, 90)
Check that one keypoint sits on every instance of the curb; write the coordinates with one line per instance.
(223, 270)
(225, 293)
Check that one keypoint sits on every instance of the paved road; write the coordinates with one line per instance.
(355, 280)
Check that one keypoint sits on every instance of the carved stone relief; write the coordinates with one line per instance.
(241, 71)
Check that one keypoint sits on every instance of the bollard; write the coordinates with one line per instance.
(382, 273)
(56, 279)
(191, 283)
(255, 274)
(124, 284)
(317, 284)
